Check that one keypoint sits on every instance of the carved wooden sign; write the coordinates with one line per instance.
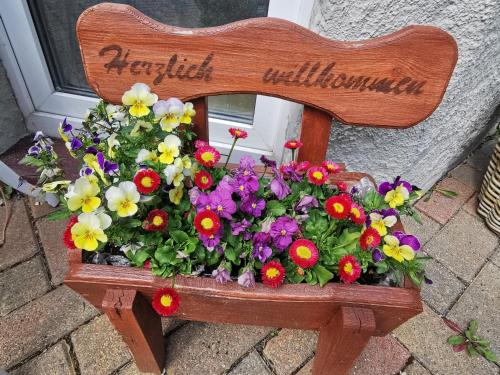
(394, 81)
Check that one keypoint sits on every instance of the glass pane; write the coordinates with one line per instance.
(55, 25)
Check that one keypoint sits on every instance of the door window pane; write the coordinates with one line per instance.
(55, 24)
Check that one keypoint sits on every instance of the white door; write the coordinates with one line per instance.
(39, 50)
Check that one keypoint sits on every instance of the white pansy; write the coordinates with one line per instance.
(123, 198)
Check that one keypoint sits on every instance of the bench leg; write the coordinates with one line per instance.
(140, 326)
(342, 340)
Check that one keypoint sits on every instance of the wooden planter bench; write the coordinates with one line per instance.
(394, 81)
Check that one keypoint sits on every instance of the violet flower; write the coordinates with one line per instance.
(306, 202)
(222, 204)
(267, 162)
(221, 275)
(85, 171)
(237, 227)
(247, 279)
(282, 231)
(107, 166)
(244, 185)
(34, 151)
(407, 239)
(66, 127)
(91, 150)
(377, 255)
(261, 252)
(253, 206)
(289, 171)
(386, 186)
(194, 194)
(76, 144)
(278, 186)
(210, 242)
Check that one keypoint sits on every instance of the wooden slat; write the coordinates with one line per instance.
(200, 120)
(394, 81)
(314, 134)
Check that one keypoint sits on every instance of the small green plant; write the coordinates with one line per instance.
(468, 340)
(446, 193)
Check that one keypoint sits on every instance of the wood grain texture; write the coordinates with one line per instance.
(139, 325)
(394, 81)
(342, 340)
(314, 134)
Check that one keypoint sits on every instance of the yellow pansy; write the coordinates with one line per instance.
(89, 230)
(187, 113)
(51, 186)
(169, 149)
(91, 161)
(145, 155)
(397, 197)
(112, 143)
(393, 249)
(168, 113)
(380, 223)
(123, 198)
(139, 98)
(176, 194)
(173, 172)
(83, 195)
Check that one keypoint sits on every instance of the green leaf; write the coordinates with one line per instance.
(382, 267)
(140, 257)
(275, 208)
(490, 356)
(471, 351)
(59, 215)
(482, 342)
(132, 223)
(447, 193)
(179, 236)
(473, 327)
(456, 340)
(323, 274)
(373, 200)
(416, 216)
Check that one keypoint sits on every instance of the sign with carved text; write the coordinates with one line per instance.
(393, 81)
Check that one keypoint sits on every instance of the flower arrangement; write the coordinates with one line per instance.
(153, 196)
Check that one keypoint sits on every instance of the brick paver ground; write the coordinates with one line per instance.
(45, 328)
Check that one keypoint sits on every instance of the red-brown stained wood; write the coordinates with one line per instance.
(139, 325)
(314, 134)
(200, 120)
(393, 81)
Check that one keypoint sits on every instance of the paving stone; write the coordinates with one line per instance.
(131, 369)
(21, 284)
(425, 336)
(307, 369)
(481, 301)
(54, 361)
(51, 234)
(424, 231)
(463, 245)
(289, 349)
(471, 205)
(20, 243)
(415, 368)
(252, 364)
(441, 208)
(495, 257)
(481, 157)
(445, 289)
(209, 349)
(41, 323)
(470, 176)
(169, 324)
(39, 209)
(99, 348)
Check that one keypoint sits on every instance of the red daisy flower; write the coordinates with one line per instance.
(302, 167)
(370, 238)
(207, 156)
(342, 186)
(166, 301)
(199, 143)
(357, 214)
(349, 269)
(146, 181)
(317, 175)
(156, 220)
(303, 253)
(293, 144)
(68, 239)
(207, 222)
(331, 166)
(273, 274)
(147, 264)
(238, 133)
(338, 206)
(203, 180)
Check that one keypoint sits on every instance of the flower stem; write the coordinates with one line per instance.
(293, 154)
(264, 173)
(230, 152)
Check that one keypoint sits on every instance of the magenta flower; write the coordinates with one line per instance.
(245, 185)
(221, 275)
(237, 227)
(210, 242)
(306, 202)
(268, 162)
(261, 252)
(247, 279)
(222, 204)
(279, 187)
(407, 239)
(386, 186)
(282, 231)
(253, 206)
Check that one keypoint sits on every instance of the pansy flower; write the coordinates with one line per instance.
(395, 194)
(303, 253)
(253, 206)
(338, 206)
(166, 301)
(349, 269)
(174, 172)
(221, 275)
(175, 195)
(83, 195)
(139, 98)
(357, 214)
(187, 113)
(123, 199)
(247, 279)
(395, 249)
(238, 133)
(146, 181)
(207, 222)
(169, 149)
(407, 239)
(207, 156)
(293, 144)
(168, 113)
(203, 180)
(331, 166)
(68, 239)
(222, 203)
(89, 230)
(156, 220)
(145, 155)
(381, 221)
(317, 175)
(273, 274)
(370, 238)
(282, 231)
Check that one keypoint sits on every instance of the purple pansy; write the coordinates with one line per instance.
(221, 275)
(34, 151)
(377, 255)
(96, 140)
(289, 171)
(278, 186)
(407, 239)
(247, 279)
(85, 171)
(237, 227)
(268, 162)
(282, 231)
(91, 150)
(76, 144)
(306, 202)
(107, 166)
(386, 186)
(210, 242)
(222, 204)
(66, 127)
(253, 206)
(245, 185)
(261, 252)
